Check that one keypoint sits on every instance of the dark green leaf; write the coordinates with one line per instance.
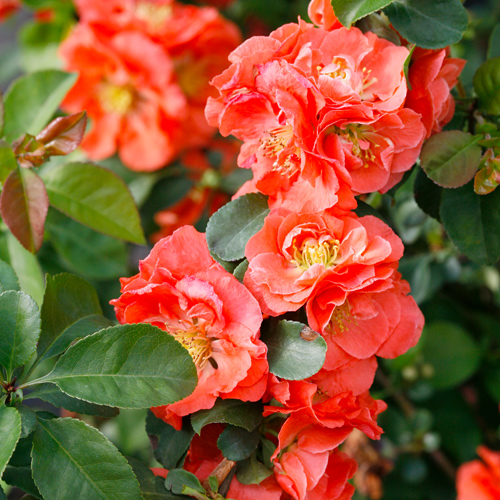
(229, 411)
(251, 471)
(8, 278)
(8, 161)
(349, 12)
(451, 352)
(487, 86)
(126, 366)
(295, 352)
(21, 477)
(494, 45)
(53, 395)
(378, 24)
(178, 478)
(28, 420)
(23, 206)
(92, 466)
(22, 454)
(240, 270)
(364, 209)
(451, 158)
(96, 197)
(67, 301)
(229, 229)
(2, 114)
(32, 100)
(237, 443)
(85, 251)
(10, 432)
(2, 494)
(152, 487)
(427, 195)
(472, 222)
(431, 24)
(20, 327)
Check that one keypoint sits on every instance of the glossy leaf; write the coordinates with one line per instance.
(10, 432)
(430, 24)
(32, 100)
(8, 161)
(251, 471)
(349, 12)
(152, 487)
(427, 194)
(8, 278)
(177, 479)
(21, 477)
(53, 395)
(64, 134)
(19, 327)
(126, 366)
(28, 420)
(295, 352)
(229, 411)
(67, 301)
(494, 43)
(23, 205)
(451, 158)
(96, 197)
(237, 443)
(230, 228)
(472, 222)
(487, 86)
(92, 466)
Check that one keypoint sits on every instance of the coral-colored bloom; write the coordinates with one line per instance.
(269, 489)
(182, 290)
(432, 75)
(322, 15)
(480, 481)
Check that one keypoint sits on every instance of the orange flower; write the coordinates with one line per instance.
(322, 15)
(183, 291)
(8, 7)
(478, 480)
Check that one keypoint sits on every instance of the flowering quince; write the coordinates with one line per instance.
(321, 14)
(183, 291)
(480, 481)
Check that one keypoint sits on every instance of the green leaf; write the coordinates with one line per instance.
(251, 471)
(32, 100)
(2, 114)
(68, 300)
(8, 278)
(178, 478)
(237, 443)
(152, 487)
(96, 197)
(23, 206)
(229, 411)
(53, 395)
(230, 228)
(240, 270)
(431, 24)
(28, 420)
(172, 444)
(21, 477)
(295, 352)
(20, 327)
(472, 222)
(427, 195)
(92, 466)
(451, 158)
(10, 432)
(85, 251)
(349, 12)
(487, 86)
(494, 44)
(8, 161)
(128, 366)
(2, 494)
(452, 352)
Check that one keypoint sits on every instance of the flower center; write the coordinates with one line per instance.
(154, 15)
(341, 318)
(337, 69)
(312, 252)
(357, 135)
(192, 76)
(280, 139)
(116, 98)
(196, 342)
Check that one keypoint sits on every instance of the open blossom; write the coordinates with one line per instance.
(478, 480)
(183, 291)
(322, 15)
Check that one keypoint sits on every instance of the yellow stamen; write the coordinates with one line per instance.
(353, 134)
(279, 139)
(197, 343)
(341, 319)
(154, 15)
(311, 252)
(116, 98)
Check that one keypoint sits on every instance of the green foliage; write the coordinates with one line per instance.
(295, 352)
(251, 471)
(349, 12)
(487, 86)
(8, 161)
(8, 278)
(230, 228)
(237, 443)
(10, 432)
(152, 487)
(64, 445)
(178, 479)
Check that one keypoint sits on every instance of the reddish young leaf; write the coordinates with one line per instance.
(23, 205)
(63, 135)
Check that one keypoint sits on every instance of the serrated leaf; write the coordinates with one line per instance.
(32, 100)
(430, 24)
(10, 432)
(28, 420)
(128, 366)
(20, 328)
(21, 477)
(96, 197)
(8, 161)
(451, 158)
(349, 12)
(152, 487)
(251, 471)
(8, 278)
(238, 444)
(229, 411)
(487, 86)
(23, 206)
(230, 228)
(92, 466)
(472, 222)
(53, 395)
(290, 356)
(67, 301)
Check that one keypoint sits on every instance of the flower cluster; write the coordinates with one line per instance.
(144, 68)
(325, 114)
(480, 480)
